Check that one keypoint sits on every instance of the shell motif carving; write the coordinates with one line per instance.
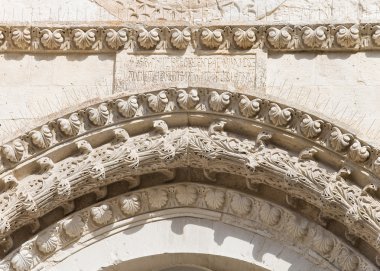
(376, 35)
(148, 39)
(47, 242)
(186, 195)
(347, 260)
(70, 126)
(98, 116)
(180, 39)
(127, 108)
(158, 198)
(279, 38)
(157, 103)
(22, 261)
(52, 39)
(357, 152)
(116, 39)
(298, 229)
(314, 38)
(42, 138)
(270, 215)
(249, 108)
(73, 226)
(219, 102)
(84, 39)
(101, 215)
(323, 244)
(21, 37)
(244, 39)
(187, 100)
(130, 205)
(338, 140)
(212, 39)
(278, 116)
(240, 204)
(347, 37)
(215, 199)
(309, 127)
(15, 151)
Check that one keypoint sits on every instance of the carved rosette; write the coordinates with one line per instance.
(157, 103)
(376, 35)
(270, 215)
(14, 151)
(52, 39)
(101, 215)
(148, 39)
(70, 126)
(116, 38)
(157, 198)
(278, 116)
(73, 226)
(187, 100)
(357, 152)
(42, 138)
(347, 37)
(186, 195)
(249, 108)
(21, 37)
(180, 38)
(280, 38)
(241, 205)
(212, 39)
(127, 108)
(219, 102)
(22, 261)
(98, 116)
(84, 39)
(215, 199)
(338, 140)
(314, 38)
(309, 127)
(244, 39)
(47, 242)
(130, 205)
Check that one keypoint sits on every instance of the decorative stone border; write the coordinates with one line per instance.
(193, 200)
(107, 38)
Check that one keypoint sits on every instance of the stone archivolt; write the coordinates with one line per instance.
(126, 138)
(191, 200)
(66, 38)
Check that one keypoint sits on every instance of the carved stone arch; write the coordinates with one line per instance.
(264, 149)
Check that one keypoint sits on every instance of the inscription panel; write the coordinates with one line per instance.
(137, 72)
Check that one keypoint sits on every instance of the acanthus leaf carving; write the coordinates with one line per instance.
(21, 37)
(102, 214)
(187, 100)
(314, 38)
(127, 108)
(99, 116)
(84, 39)
(14, 151)
(52, 39)
(70, 126)
(116, 38)
(148, 39)
(309, 127)
(212, 39)
(180, 39)
(219, 102)
(280, 38)
(278, 116)
(157, 103)
(130, 205)
(244, 39)
(347, 37)
(338, 140)
(42, 138)
(249, 108)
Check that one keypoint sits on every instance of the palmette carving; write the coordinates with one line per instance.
(314, 38)
(116, 39)
(212, 39)
(338, 140)
(347, 37)
(2, 37)
(270, 215)
(347, 260)
(240, 204)
(180, 38)
(22, 261)
(130, 205)
(244, 39)
(99, 116)
(215, 199)
(42, 138)
(127, 108)
(309, 127)
(101, 215)
(157, 103)
(14, 151)
(186, 195)
(249, 108)
(322, 243)
(188, 100)
(148, 39)
(73, 226)
(52, 39)
(219, 102)
(358, 152)
(21, 37)
(280, 38)
(70, 126)
(84, 39)
(278, 116)
(47, 242)
(158, 198)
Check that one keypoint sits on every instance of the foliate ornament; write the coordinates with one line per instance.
(47, 242)
(42, 138)
(2, 37)
(270, 215)
(214, 199)
(116, 39)
(347, 37)
(70, 126)
(148, 39)
(278, 116)
(297, 228)
(322, 243)
(244, 39)
(249, 108)
(84, 39)
(240, 204)
(21, 37)
(101, 215)
(127, 108)
(157, 103)
(376, 165)
(309, 127)
(22, 260)
(219, 102)
(279, 38)
(97, 172)
(157, 198)
(73, 226)
(347, 260)
(64, 188)
(186, 194)
(376, 35)
(338, 140)
(357, 152)
(98, 116)
(187, 100)
(212, 38)
(27, 201)
(180, 39)
(14, 151)
(52, 39)
(314, 38)
(130, 205)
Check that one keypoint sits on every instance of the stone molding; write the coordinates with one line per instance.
(185, 200)
(110, 38)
